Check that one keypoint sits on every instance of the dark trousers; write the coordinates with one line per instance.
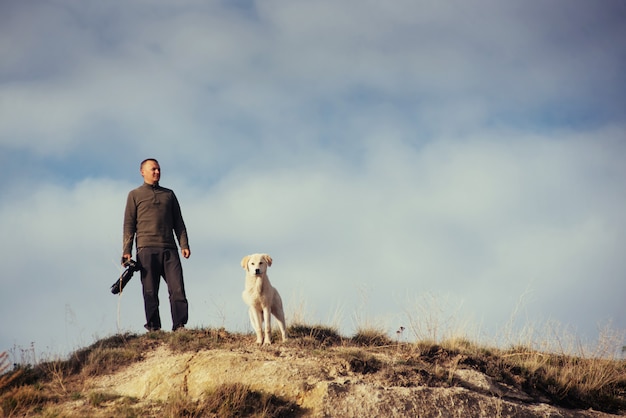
(157, 263)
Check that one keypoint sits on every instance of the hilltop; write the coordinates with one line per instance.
(317, 373)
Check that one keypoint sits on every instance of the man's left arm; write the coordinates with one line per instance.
(180, 229)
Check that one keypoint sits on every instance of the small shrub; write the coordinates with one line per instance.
(371, 338)
(127, 411)
(361, 362)
(582, 383)
(98, 398)
(115, 341)
(460, 345)
(20, 376)
(107, 360)
(180, 407)
(56, 372)
(80, 358)
(21, 400)
(7, 377)
(230, 400)
(181, 341)
(197, 339)
(324, 336)
(238, 400)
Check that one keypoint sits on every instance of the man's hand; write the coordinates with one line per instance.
(185, 252)
(125, 258)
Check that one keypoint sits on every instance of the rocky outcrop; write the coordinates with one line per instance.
(335, 382)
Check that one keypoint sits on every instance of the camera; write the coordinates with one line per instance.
(131, 267)
(132, 264)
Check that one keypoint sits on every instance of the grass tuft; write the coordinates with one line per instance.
(362, 362)
(231, 400)
(318, 335)
(570, 381)
(7, 376)
(371, 338)
(97, 399)
(107, 360)
(22, 400)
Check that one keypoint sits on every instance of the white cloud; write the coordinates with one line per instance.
(473, 220)
(383, 151)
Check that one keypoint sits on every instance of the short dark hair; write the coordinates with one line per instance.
(146, 160)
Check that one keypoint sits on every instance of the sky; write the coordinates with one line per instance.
(454, 168)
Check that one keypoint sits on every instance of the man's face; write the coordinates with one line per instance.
(151, 172)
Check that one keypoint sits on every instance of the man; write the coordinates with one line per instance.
(154, 218)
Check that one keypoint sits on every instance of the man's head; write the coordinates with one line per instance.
(150, 171)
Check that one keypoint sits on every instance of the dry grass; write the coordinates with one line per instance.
(571, 381)
(6, 377)
(229, 400)
(566, 380)
(545, 361)
(22, 399)
(315, 335)
(362, 362)
(372, 337)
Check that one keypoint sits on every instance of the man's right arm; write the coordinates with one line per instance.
(130, 227)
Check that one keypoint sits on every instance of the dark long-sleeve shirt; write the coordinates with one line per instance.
(154, 218)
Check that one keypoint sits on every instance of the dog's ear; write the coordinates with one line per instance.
(244, 262)
(268, 260)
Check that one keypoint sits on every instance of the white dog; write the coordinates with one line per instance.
(263, 299)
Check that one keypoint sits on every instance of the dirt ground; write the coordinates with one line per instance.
(334, 382)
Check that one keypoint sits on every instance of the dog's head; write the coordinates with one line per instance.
(256, 264)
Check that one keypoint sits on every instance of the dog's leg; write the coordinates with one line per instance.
(279, 313)
(280, 318)
(255, 320)
(267, 317)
